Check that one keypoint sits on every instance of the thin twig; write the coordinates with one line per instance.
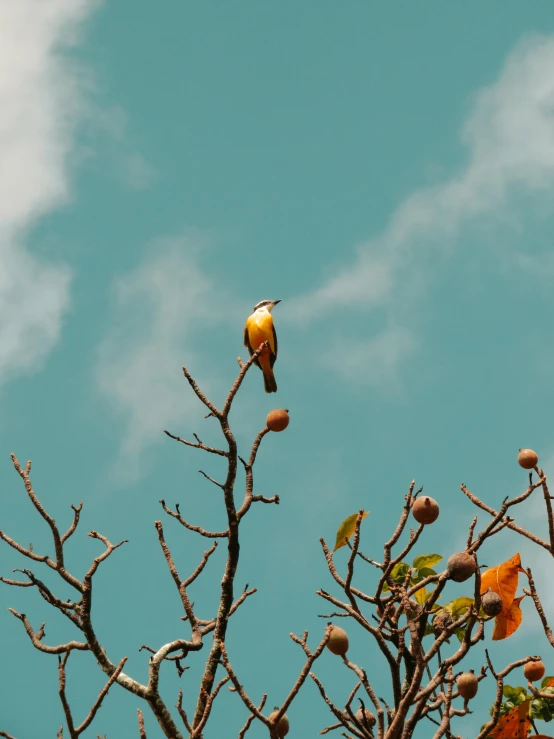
(142, 730)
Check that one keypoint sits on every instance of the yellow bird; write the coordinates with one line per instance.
(259, 328)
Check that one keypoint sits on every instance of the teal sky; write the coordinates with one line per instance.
(386, 170)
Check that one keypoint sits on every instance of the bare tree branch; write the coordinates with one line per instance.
(197, 445)
(250, 719)
(142, 730)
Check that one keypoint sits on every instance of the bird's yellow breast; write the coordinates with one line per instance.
(260, 328)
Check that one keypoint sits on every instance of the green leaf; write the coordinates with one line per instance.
(545, 706)
(458, 607)
(545, 681)
(426, 560)
(346, 529)
(461, 633)
(426, 572)
(399, 572)
(537, 709)
(515, 693)
(422, 574)
(428, 630)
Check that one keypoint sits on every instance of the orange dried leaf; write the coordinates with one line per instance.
(503, 580)
(508, 621)
(513, 725)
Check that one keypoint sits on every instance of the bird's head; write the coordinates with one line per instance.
(269, 305)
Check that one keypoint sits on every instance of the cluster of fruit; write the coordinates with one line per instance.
(426, 510)
(462, 566)
(338, 644)
(467, 682)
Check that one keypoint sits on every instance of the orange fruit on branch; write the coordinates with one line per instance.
(277, 420)
(528, 459)
(534, 671)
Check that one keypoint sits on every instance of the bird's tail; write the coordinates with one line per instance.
(269, 381)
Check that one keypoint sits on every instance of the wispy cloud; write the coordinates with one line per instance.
(374, 361)
(41, 101)
(128, 163)
(136, 172)
(160, 310)
(509, 136)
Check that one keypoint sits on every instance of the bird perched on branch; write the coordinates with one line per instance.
(259, 329)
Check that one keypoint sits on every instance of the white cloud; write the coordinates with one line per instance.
(374, 361)
(136, 172)
(160, 309)
(41, 101)
(129, 165)
(509, 135)
(33, 298)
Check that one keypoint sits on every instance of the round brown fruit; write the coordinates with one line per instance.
(425, 510)
(467, 685)
(338, 641)
(491, 603)
(528, 459)
(365, 718)
(443, 620)
(460, 567)
(277, 420)
(283, 725)
(534, 671)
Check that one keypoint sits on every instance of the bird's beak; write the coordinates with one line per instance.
(272, 303)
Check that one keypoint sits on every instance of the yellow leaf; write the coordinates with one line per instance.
(346, 529)
(513, 725)
(421, 596)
